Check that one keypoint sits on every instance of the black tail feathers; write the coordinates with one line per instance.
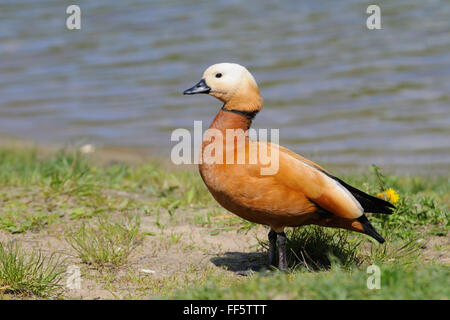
(369, 229)
(369, 203)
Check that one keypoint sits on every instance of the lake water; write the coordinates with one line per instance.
(338, 92)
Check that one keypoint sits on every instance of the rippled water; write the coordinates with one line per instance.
(339, 92)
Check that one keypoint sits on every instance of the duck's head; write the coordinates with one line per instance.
(231, 83)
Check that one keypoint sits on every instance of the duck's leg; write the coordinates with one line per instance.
(272, 247)
(281, 241)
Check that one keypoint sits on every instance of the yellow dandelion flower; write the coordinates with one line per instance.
(389, 195)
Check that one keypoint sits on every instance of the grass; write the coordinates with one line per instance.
(423, 202)
(337, 283)
(316, 249)
(117, 218)
(68, 183)
(106, 243)
(25, 274)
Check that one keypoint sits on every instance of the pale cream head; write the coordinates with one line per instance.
(233, 84)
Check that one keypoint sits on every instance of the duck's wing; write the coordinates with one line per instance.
(300, 158)
(368, 202)
(310, 181)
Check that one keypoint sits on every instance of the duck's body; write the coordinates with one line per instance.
(299, 193)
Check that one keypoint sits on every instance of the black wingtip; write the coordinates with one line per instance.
(388, 205)
(369, 229)
(369, 203)
(384, 208)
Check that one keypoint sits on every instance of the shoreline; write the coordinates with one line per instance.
(137, 154)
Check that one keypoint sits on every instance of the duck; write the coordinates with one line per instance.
(298, 193)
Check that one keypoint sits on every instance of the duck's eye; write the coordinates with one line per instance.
(218, 75)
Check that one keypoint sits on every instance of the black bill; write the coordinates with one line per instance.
(200, 87)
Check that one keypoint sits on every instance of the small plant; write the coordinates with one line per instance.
(16, 221)
(175, 237)
(316, 248)
(222, 222)
(29, 273)
(381, 178)
(157, 222)
(170, 204)
(402, 253)
(107, 243)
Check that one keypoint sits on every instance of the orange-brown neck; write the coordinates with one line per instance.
(227, 119)
(225, 138)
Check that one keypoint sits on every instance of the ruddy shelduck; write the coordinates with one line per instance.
(299, 193)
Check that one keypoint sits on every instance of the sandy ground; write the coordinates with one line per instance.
(197, 250)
